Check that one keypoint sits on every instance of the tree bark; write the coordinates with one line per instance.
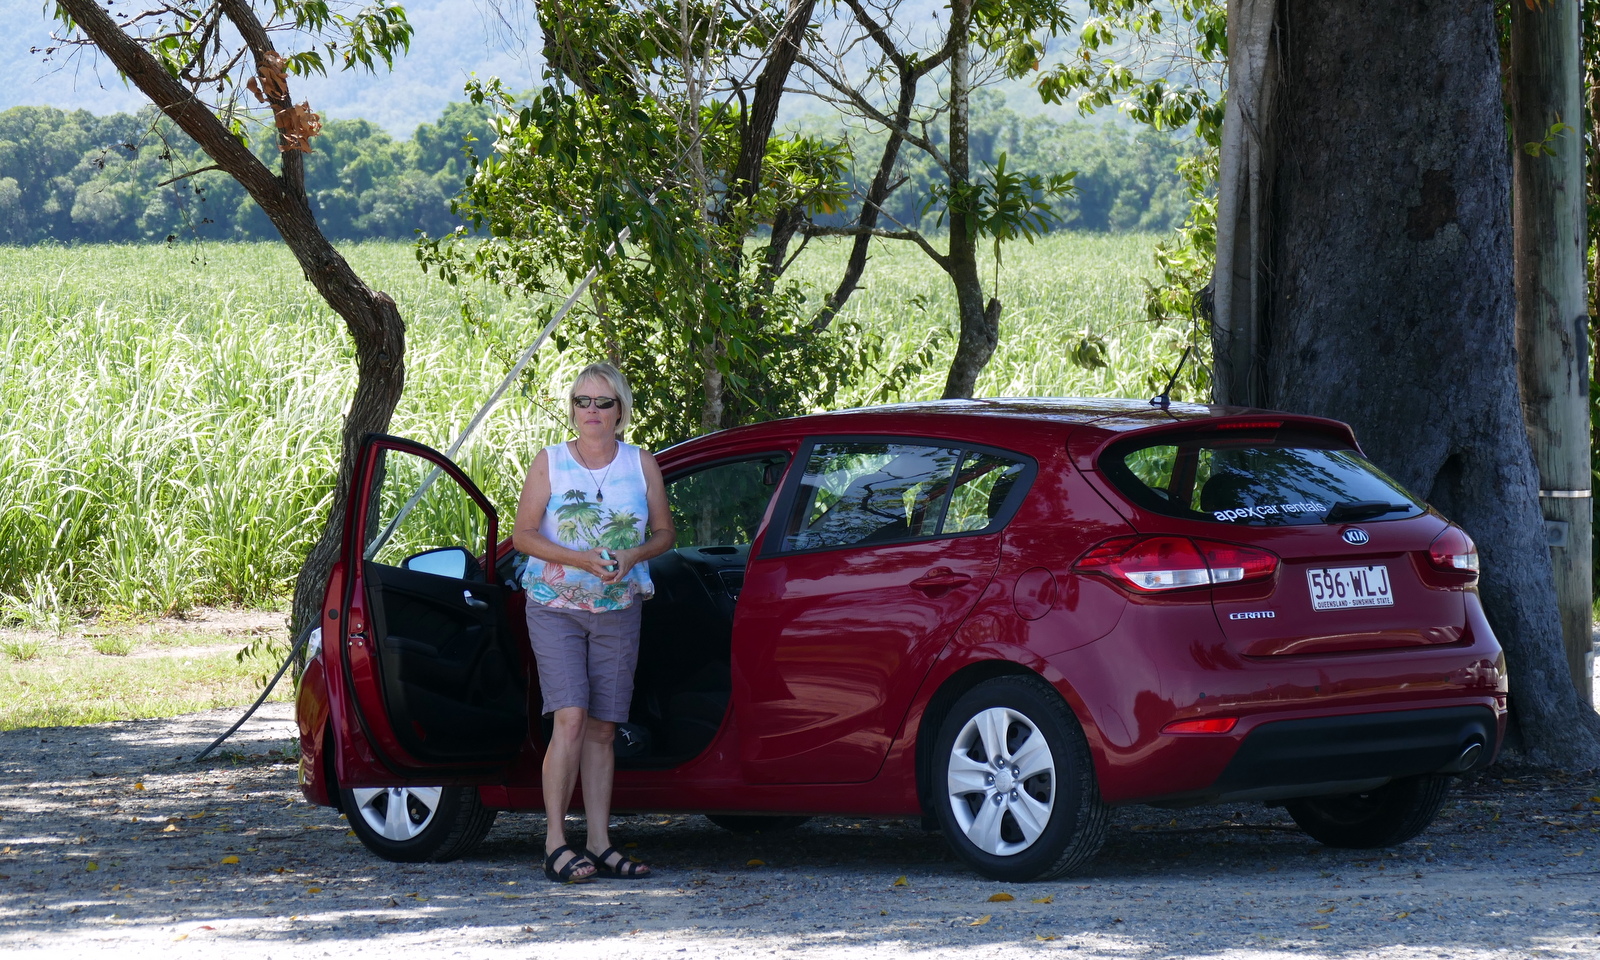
(1390, 301)
(373, 321)
(980, 323)
(1550, 225)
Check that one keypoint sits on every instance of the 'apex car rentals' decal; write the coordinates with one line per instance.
(1269, 510)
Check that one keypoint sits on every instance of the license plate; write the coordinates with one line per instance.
(1342, 588)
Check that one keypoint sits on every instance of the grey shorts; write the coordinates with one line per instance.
(586, 659)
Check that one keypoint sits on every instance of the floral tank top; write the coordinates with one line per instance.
(601, 508)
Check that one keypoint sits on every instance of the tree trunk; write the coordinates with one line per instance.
(371, 317)
(1390, 301)
(1550, 224)
(980, 324)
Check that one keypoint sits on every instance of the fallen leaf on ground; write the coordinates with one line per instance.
(1047, 898)
(1322, 926)
(181, 936)
(349, 833)
(1045, 936)
(1402, 914)
(138, 786)
(230, 858)
(1001, 898)
(170, 828)
(755, 863)
(91, 866)
(1327, 909)
(981, 920)
(313, 889)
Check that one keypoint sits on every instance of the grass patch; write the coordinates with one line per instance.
(160, 669)
(22, 650)
(112, 646)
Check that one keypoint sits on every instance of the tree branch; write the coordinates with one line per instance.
(185, 176)
(859, 231)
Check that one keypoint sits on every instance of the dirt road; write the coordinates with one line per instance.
(112, 843)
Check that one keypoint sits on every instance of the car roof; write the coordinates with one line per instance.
(1006, 416)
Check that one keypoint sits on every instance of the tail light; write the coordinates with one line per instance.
(1453, 552)
(1155, 564)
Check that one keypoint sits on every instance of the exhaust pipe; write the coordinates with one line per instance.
(1469, 756)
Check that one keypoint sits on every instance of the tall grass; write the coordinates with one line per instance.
(173, 413)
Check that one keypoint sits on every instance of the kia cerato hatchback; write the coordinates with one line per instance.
(1003, 616)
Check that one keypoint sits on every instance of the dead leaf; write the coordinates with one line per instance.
(230, 858)
(883, 913)
(1327, 909)
(981, 920)
(91, 866)
(901, 882)
(138, 786)
(1001, 898)
(1322, 926)
(205, 927)
(1045, 936)
(349, 833)
(755, 863)
(1047, 898)
(181, 936)
(170, 828)
(313, 889)
(1402, 914)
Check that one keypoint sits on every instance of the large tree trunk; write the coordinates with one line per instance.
(980, 324)
(370, 317)
(1389, 301)
(1550, 224)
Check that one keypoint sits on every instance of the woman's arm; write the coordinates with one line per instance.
(662, 533)
(525, 535)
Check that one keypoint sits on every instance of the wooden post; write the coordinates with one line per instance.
(1550, 225)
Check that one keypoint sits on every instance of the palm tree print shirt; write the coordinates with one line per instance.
(588, 509)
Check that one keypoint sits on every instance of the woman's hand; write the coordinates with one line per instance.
(624, 561)
(593, 562)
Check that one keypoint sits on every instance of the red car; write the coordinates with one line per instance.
(1003, 616)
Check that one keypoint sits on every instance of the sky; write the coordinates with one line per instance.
(452, 40)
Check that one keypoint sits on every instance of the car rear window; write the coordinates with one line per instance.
(1263, 478)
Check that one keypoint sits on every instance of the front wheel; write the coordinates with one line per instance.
(1015, 788)
(1391, 814)
(417, 824)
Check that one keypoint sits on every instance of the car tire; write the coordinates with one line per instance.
(745, 824)
(1006, 822)
(417, 824)
(1391, 814)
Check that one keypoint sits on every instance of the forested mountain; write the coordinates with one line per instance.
(72, 176)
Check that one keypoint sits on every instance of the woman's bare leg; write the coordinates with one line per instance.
(599, 769)
(562, 757)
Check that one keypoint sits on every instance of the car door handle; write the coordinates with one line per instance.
(474, 602)
(939, 580)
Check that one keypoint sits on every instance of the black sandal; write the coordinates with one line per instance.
(626, 867)
(564, 875)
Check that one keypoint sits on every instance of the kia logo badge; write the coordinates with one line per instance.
(1355, 535)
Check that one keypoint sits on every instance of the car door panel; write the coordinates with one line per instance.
(429, 663)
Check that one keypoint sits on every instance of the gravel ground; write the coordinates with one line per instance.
(110, 841)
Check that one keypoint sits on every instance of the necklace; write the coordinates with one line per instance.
(599, 492)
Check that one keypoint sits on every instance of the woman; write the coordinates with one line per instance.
(593, 510)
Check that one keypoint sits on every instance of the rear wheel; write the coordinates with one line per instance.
(1016, 792)
(744, 823)
(1391, 814)
(417, 824)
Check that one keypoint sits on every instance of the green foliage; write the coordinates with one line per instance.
(76, 177)
(174, 412)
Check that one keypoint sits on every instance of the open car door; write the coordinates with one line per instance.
(437, 682)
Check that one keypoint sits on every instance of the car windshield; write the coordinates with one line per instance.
(1256, 478)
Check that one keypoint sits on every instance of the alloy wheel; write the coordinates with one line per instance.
(1001, 781)
(397, 813)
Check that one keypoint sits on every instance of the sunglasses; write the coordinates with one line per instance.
(604, 403)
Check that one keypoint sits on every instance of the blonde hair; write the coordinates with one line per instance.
(615, 380)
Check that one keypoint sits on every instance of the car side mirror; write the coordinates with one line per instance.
(452, 562)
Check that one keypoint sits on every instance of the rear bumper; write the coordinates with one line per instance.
(1320, 756)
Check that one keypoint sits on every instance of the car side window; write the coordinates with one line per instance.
(855, 492)
(417, 513)
(982, 487)
(722, 505)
